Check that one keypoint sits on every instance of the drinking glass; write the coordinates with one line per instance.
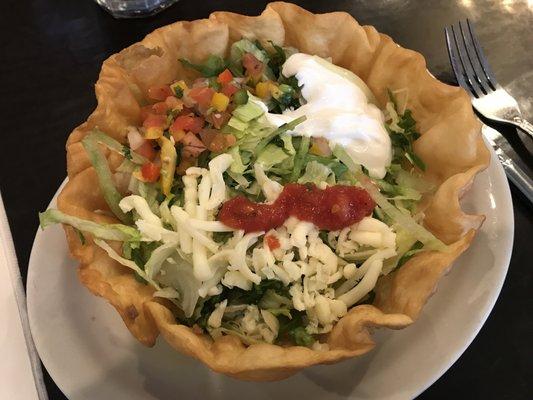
(134, 8)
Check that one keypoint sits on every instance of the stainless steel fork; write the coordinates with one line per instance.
(473, 73)
(490, 99)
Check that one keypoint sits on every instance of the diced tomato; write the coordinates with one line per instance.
(218, 119)
(190, 151)
(230, 140)
(186, 111)
(207, 135)
(174, 103)
(201, 95)
(196, 125)
(159, 93)
(225, 77)
(160, 108)
(253, 66)
(180, 123)
(146, 150)
(215, 141)
(187, 123)
(229, 89)
(191, 139)
(155, 121)
(150, 171)
(221, 142)
(272, 242)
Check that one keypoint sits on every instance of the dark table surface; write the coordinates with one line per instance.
(51, 56)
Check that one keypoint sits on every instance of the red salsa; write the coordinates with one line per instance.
(333, 208)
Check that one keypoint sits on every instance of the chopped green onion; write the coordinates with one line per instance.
(299, 158)
(289, 126)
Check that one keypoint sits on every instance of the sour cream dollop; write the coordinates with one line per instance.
(338, 108)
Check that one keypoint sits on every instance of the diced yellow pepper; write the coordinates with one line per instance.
(274, 90)
(178, 135)
(262, 90)
(137, 174)
(219, 102)
(314, 149)
(168, 164)
(153, 133)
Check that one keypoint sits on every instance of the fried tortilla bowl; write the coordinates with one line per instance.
(451, 145)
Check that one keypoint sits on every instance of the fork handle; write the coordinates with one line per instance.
(516, 174)
(524, 125)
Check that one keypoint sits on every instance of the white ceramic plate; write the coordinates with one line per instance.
(90, 354)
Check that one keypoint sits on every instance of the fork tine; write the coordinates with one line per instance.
(469, 71)
(454, 58)
(473, 60)
(483, 62)
(463, 71)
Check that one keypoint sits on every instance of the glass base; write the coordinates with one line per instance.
(134, 8)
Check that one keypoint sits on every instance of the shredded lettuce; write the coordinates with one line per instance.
(287, 143)
(404, 220)
(316, 173)
(127, 263)
(345, 158)
(289, 126)
(234, 331)
(114, 145)
(105, 178)
(157, 258)
(271, 155)
(248, 112)
(237, 125)
(180, 276)
(407, 180)
(237, 166)
(118, 232)
(239, 48)
(404, 243)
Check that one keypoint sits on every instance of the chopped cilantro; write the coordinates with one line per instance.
(301, 337)
(140, 254)
(402, 142)
(236, 296)
(127, 152)
(222, 237)
(178, 91)
(277, 58)
(213, 66)
(203, 159)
